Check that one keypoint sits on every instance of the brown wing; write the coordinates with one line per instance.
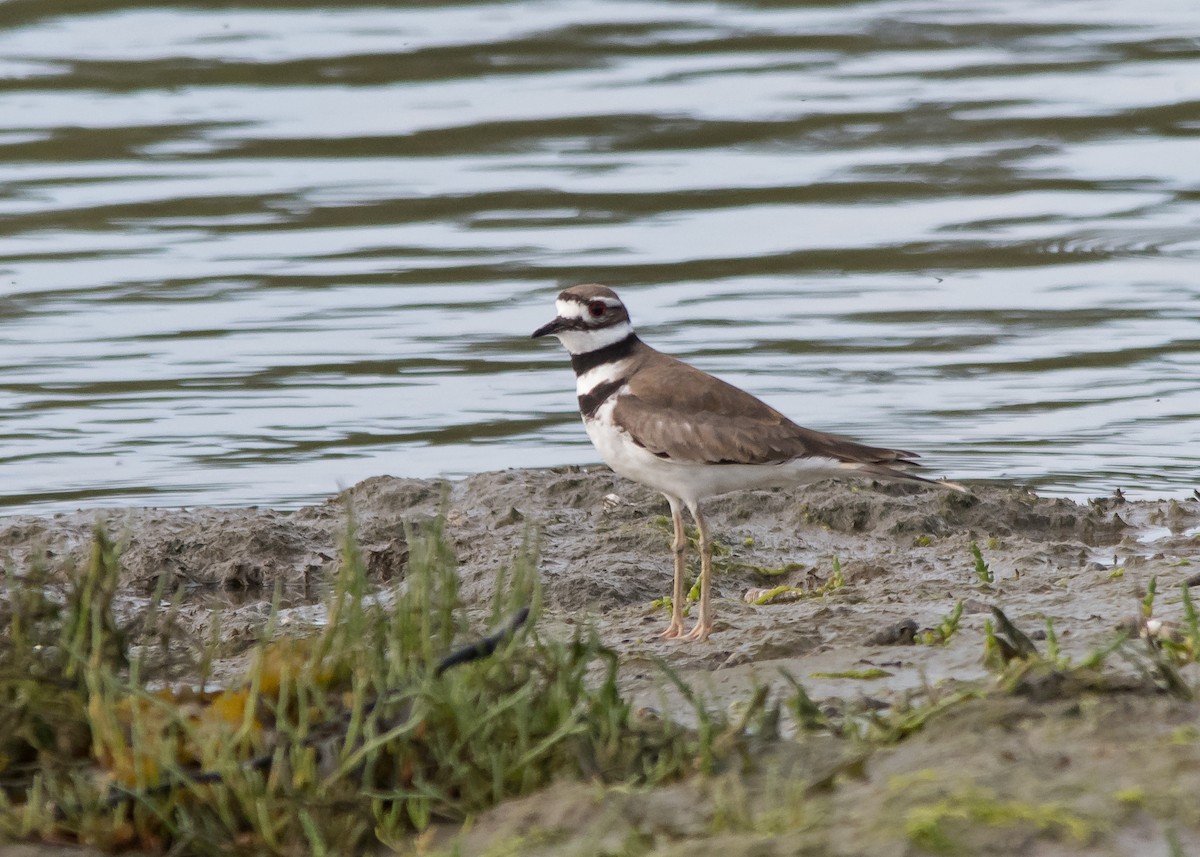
(678, 412)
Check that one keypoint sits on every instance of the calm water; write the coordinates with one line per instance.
(250, 252)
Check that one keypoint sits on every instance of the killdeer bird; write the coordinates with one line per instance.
(680, 431)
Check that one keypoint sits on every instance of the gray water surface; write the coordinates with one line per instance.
(250, 252)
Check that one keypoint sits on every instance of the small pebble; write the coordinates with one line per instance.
(903, 633)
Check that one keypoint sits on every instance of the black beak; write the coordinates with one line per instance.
(553, 327)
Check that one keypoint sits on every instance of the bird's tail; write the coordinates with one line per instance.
(896, 472)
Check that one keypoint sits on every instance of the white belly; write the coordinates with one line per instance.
(693, 482)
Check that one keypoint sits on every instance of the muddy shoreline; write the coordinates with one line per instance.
(904, 552)
(905, 556)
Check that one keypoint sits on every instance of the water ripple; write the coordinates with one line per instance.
(280, 247)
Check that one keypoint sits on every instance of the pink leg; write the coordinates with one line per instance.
(704, 625)
(679, 547)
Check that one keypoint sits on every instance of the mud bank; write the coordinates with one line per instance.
(866, 568)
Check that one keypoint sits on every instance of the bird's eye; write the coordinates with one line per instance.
(597, 308)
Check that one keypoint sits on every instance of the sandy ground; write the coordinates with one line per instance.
(1092, 773)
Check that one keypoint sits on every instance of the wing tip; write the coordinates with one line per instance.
(894, 472)
(953, 486)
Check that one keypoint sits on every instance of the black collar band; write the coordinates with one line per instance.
(608, 354)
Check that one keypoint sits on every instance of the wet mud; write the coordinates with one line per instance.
(867, 568)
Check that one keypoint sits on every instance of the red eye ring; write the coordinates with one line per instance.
(597, 308)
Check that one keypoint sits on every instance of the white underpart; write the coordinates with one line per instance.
(583, 341)
(605, 373)
(691, 482)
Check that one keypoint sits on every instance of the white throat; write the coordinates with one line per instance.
(583, 341)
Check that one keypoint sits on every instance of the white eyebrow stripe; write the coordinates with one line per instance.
(574, 308)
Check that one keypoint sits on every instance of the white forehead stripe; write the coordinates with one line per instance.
(568, 309)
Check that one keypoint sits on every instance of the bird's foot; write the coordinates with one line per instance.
(699, 633)
(674, 630)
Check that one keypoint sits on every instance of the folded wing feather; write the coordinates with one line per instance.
(692, 419)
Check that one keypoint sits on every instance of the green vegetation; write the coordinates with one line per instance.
(768, 570)
(351, 737)
(794, 593)
(945, 629)
(780, 593)
(365, 734)
(933, 826)
(837, 581)
(982, 570)
(863, 675)
(1169, 645)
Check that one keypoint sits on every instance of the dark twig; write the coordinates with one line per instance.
(483, 648)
